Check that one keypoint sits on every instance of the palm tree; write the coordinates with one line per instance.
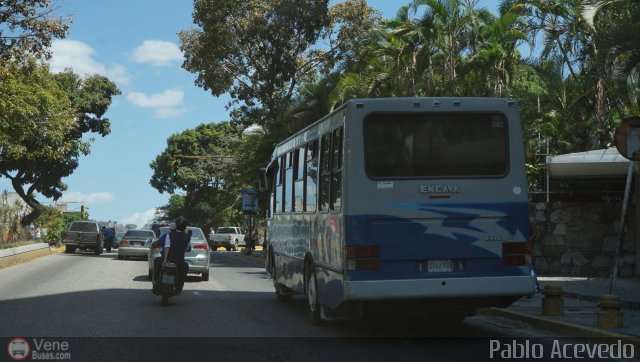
(495, 57)
(451, 33)
(616, 23)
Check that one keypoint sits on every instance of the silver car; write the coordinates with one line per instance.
(134, 243)
(198, 258)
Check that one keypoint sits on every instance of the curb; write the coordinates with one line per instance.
(629, 304)
(23, 254)
(562, 328)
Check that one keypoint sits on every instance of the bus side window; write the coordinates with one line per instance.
(279, 186)
(298, 177)
(272, 177)
(288, 182)
(336, 172)
(311, 176)
(325, 171)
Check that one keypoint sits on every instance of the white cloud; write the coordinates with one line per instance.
(80, 57)
(140, 218)
(96, 197)
(157, 52)
(168, 98)
(163, 104)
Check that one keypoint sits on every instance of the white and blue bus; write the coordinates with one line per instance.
(419, 200)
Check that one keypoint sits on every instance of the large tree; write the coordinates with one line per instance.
(43, 120)
(260, 51)
(207, 163)
(27, 28)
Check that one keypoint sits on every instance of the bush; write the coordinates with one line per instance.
(52, 220)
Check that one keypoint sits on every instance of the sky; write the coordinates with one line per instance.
(135, 44)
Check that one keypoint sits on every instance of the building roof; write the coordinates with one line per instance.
(604, 162)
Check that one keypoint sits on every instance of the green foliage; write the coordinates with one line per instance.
(260, 51)
(54, 221)
(10, 216)
(287, 63)
(43, 122)
(250, 48)
(210, 174)
(172, 210)
(28, 27)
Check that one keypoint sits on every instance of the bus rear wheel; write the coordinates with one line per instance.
(311, 291)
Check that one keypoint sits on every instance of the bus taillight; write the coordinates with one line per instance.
(516, 248)
(516, 254)
(363, 257)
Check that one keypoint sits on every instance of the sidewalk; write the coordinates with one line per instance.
(581, 309)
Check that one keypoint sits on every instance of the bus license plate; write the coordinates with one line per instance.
(440, 266)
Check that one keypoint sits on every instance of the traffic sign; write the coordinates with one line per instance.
(250, 201)
(628, 138)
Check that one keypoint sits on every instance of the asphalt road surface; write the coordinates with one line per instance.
(233, 316)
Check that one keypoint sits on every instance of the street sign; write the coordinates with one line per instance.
(250, 201)
(628, 138)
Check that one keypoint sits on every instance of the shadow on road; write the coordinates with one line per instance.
(189, 279)
(231, 259)
(259, 275)
(228, 313)
(89, 253)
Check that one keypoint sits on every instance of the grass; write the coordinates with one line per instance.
(13, 244)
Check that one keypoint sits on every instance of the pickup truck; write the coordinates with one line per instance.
(84, 235)
(230, 237)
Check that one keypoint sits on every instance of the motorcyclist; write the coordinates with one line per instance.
(174, 244)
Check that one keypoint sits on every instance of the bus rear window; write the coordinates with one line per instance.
(419, 145)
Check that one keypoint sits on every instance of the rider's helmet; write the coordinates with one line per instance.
(181, 223)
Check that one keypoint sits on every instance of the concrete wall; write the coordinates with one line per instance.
(579, 239)
(19, 254)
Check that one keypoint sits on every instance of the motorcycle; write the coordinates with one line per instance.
(168, 282)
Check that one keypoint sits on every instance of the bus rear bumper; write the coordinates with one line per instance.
(439, 288)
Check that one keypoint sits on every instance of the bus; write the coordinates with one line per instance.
(421, 201)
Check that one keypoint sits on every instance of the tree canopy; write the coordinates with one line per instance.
(27, 28)
(43, 118)
(287, 63)
(260, 51)
(207, 162)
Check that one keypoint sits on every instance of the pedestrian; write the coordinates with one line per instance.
(37, 233)
(108, 237)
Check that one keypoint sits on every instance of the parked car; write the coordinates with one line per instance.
(84, 235)
(198, 258)
(134, 243)
(229, 237)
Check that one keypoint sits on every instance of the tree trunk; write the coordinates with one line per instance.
(37, 208)
(29, 218)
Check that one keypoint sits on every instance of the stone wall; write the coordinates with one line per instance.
(579, 239)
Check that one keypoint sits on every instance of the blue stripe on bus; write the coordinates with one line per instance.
(443, 231)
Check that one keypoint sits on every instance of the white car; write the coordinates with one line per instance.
(198, 258)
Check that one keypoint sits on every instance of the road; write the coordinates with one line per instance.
(83, 295)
